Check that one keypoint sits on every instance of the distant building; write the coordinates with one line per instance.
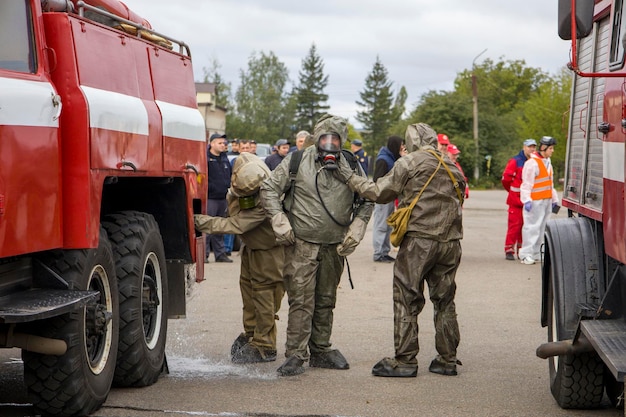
(214, 115)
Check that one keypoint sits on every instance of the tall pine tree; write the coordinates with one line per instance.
(380, 110)
(310, 97)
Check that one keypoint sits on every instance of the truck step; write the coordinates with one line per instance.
(608, 337)
(41, 303)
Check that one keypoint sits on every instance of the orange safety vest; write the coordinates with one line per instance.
(542, 188)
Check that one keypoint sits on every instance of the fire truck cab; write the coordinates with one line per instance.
(102, 167)
(583, 270)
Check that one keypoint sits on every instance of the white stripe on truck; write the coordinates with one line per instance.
(181, 122)
(26, 103)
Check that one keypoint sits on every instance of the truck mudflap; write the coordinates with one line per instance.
(42, 303)
(608, 337)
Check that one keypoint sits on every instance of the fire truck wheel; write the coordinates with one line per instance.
(142, 279)
(78, 382)
(576, 381)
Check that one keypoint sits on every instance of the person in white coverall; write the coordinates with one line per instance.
(539, 198)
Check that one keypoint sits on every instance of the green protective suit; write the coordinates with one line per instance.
(262, 259)
(430, 251)
(313, 267)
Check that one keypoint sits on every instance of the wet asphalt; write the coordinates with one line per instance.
(498, 306)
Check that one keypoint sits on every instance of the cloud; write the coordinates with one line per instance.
(423, 44)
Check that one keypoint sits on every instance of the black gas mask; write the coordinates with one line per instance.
(328, 148)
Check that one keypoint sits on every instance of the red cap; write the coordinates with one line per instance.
(443, 139)
(452, 149)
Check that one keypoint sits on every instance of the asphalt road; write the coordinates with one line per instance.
(498, 305)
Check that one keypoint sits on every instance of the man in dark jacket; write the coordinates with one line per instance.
(219, 181)
(387, 156)
(282, 149)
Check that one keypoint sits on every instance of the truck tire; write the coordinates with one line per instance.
(142, 280)
(576, 381)
(78, 382)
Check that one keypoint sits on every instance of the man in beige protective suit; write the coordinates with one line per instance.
(430, 250)
(262, 260)
(321, 228)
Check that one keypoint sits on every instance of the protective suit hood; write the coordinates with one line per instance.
(331, 124)
(420, 136)
(249, 172)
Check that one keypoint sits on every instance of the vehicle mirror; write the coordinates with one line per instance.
(584, 18)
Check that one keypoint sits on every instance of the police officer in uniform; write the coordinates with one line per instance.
(356, 145)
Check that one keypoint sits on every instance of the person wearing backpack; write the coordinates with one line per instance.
(430, 251)
(321, 226)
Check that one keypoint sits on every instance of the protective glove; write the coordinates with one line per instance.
(353, 237)
(202, 223)
(344, 173)
(555, 208)
(528, 205)
(282, 229)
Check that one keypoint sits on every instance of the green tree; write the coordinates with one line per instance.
(514, 102)
(379, 113)
(261, 103)
(310, 97)
(546, 113)
(222, 89)
(399, 104)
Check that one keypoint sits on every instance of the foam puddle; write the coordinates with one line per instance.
(185, 368)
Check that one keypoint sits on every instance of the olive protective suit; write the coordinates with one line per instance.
(262, 258)
(431, 249)
(314, 262)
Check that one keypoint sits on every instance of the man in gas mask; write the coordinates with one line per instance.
(262, 260)
(322, 225)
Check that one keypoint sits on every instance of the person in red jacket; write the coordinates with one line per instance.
(453, 154)
(511, 181)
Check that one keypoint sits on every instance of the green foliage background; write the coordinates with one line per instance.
(515, 102)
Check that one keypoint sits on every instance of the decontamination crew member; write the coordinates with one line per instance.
(317, 223)
(539, 197)
(262, 260)
(429, 252)
(511, 181)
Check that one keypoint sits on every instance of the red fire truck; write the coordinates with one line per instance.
(584, 272)
(102, 166)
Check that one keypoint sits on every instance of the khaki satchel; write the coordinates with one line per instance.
(399, 219)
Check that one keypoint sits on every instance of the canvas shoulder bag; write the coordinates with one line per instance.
(399, 219)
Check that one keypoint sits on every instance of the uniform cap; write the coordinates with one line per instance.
(530, 142)
(443, 139)
(452, 149)
(217, 136)
(357, 142)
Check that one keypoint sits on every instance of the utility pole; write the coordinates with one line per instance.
(475, 117)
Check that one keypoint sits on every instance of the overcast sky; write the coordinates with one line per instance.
(423, 44)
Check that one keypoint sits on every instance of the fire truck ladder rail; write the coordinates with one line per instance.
(183, 48)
